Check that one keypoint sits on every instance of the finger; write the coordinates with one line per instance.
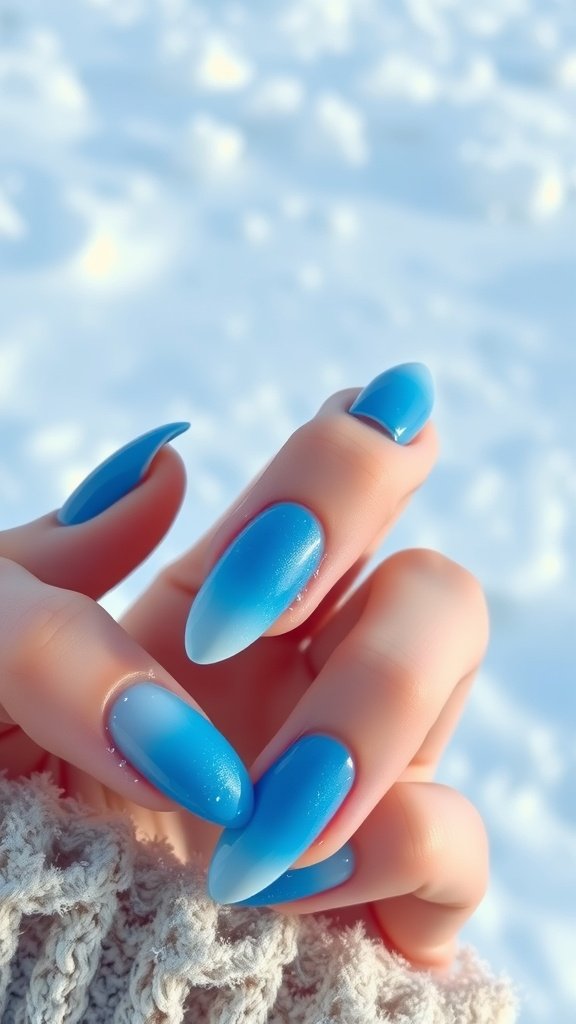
(83, 690)
(422, 630)
(325, 497)
(421, 860)
(114, 519)
(327, 638)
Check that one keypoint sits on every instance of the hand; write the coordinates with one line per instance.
(341, 699)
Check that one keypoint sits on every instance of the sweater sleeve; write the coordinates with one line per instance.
(101, 927)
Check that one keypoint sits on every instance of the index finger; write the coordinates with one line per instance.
(85, 691)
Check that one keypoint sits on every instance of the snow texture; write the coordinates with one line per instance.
(226, 211)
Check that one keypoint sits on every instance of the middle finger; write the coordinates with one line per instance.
(303, 524)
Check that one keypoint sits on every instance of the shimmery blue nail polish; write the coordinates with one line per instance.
(181, 753)
(293, 802)
(257, 578)
(399, 400)
(301, 882)
(116, 476)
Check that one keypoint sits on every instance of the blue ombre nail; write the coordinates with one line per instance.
(181, 753)
(293, 802)
(257, 578)
(301, 882)
(116, 476)
(399, 400)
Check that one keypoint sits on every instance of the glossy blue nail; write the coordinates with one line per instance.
(257, 578)
(301, 882)
(116, 476)
(181, 753)
(293, 802)
(399, 400)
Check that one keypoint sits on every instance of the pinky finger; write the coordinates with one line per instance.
(420, 861)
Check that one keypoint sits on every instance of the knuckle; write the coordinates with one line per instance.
(348, 451)
(425, 846)
(407, 690)
(465, 585)
(461, 586)
(474, 827)
(422, 841)
(451, 574)
(431, 840)
(45, 629)
(469, 597)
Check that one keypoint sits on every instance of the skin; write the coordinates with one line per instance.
(385, 667)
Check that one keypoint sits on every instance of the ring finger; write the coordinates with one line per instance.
(354, 733)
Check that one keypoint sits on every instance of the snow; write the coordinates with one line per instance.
(224, 212)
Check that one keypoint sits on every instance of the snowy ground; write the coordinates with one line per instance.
(224, 212)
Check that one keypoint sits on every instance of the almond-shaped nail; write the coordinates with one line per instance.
(117, 475)
(400, 400)
(293, 802)
(181, 753)
(256, 579)
(298, 883)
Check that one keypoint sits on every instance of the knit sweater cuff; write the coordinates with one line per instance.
(101, 927)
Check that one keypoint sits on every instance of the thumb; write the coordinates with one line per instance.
(111, 523)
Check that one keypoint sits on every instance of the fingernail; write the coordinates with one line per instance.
(257, 578)
(301, 882)
(116, 476)
(293, 802)
(181, 753)
(399, 400)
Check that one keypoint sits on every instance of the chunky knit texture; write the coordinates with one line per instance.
(101, 927)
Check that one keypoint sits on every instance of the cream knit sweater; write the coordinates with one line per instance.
(101, 927)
